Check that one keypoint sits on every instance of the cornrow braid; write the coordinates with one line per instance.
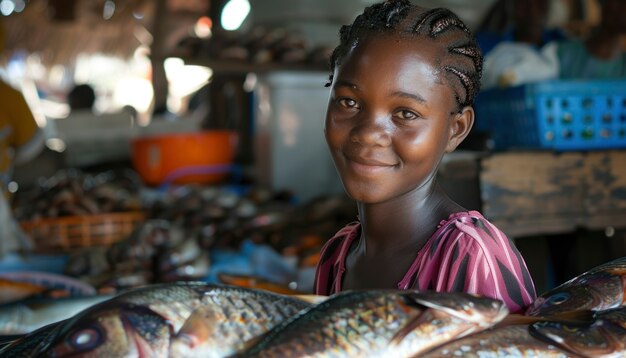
(463, 61)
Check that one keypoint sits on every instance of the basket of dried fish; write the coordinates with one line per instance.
(75, 232)
(73, 210)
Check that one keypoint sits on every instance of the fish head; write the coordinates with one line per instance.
(593, 292)
(604, 337)
(112, 331)
(478, 309)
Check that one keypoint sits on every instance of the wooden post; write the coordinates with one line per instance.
(157, 57)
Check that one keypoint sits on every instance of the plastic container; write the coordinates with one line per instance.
(557, 115)
(182, 158)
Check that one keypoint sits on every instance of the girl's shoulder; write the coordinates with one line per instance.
(469, 231)
(471, 223)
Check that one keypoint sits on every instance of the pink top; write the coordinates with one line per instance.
(467, 253)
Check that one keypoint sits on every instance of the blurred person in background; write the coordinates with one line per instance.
(514, 38)
(21, 140)
(601, 55)
(521, 21)
(81, 97)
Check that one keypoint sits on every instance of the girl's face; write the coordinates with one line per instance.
(391, 117)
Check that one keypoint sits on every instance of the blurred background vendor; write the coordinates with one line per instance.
(21, 140)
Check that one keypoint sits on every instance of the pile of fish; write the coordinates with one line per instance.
(150, 305)
(71, 192)
(584, 317)
(200, 320)
(186, 225)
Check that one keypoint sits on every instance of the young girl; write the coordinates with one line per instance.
(403, 83)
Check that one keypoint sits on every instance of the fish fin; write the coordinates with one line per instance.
(198, 327)
(581, 317)
(312, 299)
(426, 316)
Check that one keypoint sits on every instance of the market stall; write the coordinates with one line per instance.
(184, 212)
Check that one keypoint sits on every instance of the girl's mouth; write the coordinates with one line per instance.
(367, 166)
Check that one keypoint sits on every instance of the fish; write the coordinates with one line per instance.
(598, 289)
(499, 342)
(605, 337)
(187, 251)
(189, 271)
(186, 318)
(378, 323)
(11, 291)
(27, 345)
(28, 315)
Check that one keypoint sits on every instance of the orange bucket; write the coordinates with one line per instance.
(183, 158)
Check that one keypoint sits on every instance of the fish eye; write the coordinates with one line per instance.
(559, 298)
(86, 338)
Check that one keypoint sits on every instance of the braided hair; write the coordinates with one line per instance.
(463, 62)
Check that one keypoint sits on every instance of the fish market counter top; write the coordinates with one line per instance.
(541, 192)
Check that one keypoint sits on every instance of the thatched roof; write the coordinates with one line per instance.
(59, 30)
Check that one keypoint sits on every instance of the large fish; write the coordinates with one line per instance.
(378, 323)
(598, 289)
(606, 337)
(500, 342)
(150, 321)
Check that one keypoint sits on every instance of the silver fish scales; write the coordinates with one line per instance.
(379, 323)
(169, 320)
(500, 342)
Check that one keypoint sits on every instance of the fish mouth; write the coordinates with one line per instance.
(142, 347)
(139, 324)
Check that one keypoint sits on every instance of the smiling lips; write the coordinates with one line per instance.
(368, 166)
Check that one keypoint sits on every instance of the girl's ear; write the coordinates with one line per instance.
(460, 127)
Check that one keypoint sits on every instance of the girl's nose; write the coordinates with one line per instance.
(371, 130)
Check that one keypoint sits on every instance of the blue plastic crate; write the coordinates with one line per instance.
(558, 115)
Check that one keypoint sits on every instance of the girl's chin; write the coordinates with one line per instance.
(364, 196)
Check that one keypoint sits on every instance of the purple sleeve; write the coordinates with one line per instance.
(476, 257)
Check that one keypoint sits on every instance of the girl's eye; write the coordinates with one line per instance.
(406, 115)
(347, 103)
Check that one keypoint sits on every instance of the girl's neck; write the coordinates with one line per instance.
(403, 223)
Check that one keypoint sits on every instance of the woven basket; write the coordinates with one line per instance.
(76, 232)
